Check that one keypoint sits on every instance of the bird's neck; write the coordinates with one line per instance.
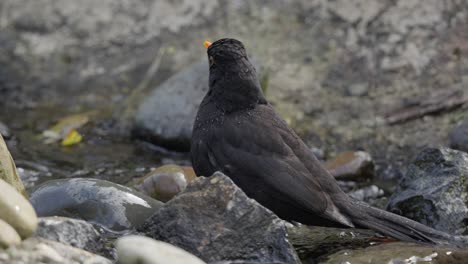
(233, 91)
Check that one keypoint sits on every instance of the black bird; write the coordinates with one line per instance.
(238, 132)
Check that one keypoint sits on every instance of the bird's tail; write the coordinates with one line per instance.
(364, 215)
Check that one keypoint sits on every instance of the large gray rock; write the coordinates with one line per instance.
(74, 232)
(112, 205)
(214, 220)
(167, 115)
(39, 250)
(434, 192)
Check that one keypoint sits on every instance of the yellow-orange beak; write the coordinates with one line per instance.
(206, 43)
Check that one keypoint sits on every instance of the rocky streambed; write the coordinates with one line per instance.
(211, 220)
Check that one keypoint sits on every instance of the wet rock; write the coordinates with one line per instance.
(112, 205)
(351, 165)
(214, 220)
(144, 250)
(433, 191)
(399, 252)
(4, 131)
(39, 250)
(16, 210)
(73, 232)
(182, 94)
(8, 171)
(165, 182)
(312, 242)
(459, 137)
(8, 235)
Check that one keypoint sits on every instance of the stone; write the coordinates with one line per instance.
(433, 190)
(459, 136)
(399, 253)
(111, 205)
(165, 182)
(144, 250)
(367, 193)
(16, 210)
(8, 235)
(73, 232)
(39, 250)
(182, 94)
(313, 242)
(8, 170)
(351, 165)
(214, 220)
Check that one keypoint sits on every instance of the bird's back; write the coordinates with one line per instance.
(270, 163)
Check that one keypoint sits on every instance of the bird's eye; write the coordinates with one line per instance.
(211, 60)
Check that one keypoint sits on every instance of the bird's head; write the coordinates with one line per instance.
(225, 52)
(233, 78)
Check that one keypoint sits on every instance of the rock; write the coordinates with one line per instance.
(434, 192)
(4, 131)
(73, 232)
(459, 137)
(312, 242)
(16, 210)
(182, 94)
(399, 253)
(8, 235)
(351, 165)
(39, 250)
(144, 250)
(112, 205)
(214, 220)
(8, 170)
(367, 193)
(165, 182)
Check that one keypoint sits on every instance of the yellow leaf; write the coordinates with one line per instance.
(72, 138)
(63, 127)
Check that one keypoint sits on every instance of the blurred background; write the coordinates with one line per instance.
(109, 89)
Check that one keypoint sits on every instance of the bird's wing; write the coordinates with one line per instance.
(263, 150)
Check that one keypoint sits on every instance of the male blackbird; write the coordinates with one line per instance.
(238, 132)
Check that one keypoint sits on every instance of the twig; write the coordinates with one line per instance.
(430, 106)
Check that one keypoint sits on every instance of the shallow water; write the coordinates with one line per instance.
(102, 154)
